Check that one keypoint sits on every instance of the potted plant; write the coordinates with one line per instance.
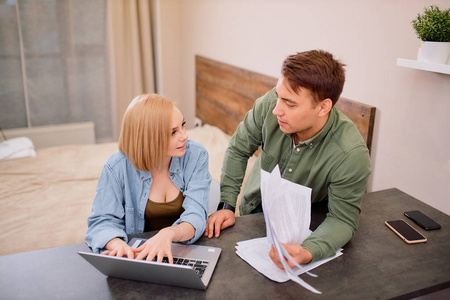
(433, 28)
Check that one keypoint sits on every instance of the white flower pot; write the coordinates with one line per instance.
(434, 52)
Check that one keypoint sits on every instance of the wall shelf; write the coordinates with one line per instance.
(425, 66)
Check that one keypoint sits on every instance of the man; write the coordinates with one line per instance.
(315, 145)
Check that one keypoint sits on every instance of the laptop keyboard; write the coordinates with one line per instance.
(198, 265)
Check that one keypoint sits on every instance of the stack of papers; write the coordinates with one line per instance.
(256, 253)
(287, 212)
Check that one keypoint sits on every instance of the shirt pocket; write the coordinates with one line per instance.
(267, 161)
(129, 220)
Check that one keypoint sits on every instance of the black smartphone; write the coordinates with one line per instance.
(422, 220)
(406, 232)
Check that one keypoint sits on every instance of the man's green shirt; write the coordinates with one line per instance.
(335, 164)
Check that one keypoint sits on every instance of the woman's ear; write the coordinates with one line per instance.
(325, 107)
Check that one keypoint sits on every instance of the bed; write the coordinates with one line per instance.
(46, 199)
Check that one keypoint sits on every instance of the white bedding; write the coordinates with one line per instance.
(46, 199)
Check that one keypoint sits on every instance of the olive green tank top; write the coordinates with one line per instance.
(163, 214)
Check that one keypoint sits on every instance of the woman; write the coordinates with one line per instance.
(158, 180)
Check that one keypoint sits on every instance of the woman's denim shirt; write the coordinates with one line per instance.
(122, 193)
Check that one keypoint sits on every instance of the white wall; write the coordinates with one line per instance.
(411, 149)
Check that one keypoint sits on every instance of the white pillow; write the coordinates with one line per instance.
(17, 148)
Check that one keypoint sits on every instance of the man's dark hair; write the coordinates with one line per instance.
(317, 71)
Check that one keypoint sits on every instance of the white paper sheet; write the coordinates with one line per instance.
(289, 205)
(256, 253)
(287, 212)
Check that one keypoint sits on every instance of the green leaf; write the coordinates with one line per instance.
(433, 25)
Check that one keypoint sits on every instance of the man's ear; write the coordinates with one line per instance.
(325, 107)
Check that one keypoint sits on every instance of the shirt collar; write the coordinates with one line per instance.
(323, 132)
(174, 168)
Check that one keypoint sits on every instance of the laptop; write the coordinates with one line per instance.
(192, 268)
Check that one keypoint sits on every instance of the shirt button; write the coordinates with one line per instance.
(178, 171)
(142, 178)
(181, 188)
(311, 144)
(171, 174)
(290, 170)
(298, 149)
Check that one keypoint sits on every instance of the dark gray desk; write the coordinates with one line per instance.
(376, 265)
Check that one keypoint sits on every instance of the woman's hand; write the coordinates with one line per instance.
(117, 247)
(158, 246)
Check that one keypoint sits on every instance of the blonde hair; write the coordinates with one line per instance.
(145, 131)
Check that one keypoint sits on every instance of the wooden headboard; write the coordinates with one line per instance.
(225, 93)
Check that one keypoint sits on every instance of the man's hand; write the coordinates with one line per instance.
(297, 252)
(218, 221)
